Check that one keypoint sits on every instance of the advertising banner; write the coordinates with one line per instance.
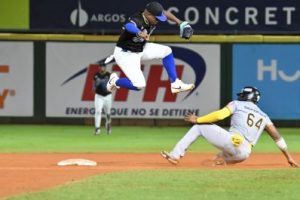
(206, 16)
(69, 82)
(275, 70)
(16, 79)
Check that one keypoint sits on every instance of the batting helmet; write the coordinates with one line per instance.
(249, 93)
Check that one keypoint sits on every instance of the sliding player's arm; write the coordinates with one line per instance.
(209, 118)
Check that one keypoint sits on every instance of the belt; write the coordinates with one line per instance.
(125, 50)
(129, 51)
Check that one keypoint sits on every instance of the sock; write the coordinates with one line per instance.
(125, 83)
(169, 65)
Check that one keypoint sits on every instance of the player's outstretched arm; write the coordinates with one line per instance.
(172, 17)
(186, 31)
(209, 118)
(272, 131)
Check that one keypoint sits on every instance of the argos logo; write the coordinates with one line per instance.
(4, 69)
(80, 17)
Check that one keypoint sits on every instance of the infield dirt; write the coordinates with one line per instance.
(28, 172)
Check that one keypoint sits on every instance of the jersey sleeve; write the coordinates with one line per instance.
(231, 106)
(132, 28)
(268, 121)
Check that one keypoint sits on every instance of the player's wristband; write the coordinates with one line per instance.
(281, 144)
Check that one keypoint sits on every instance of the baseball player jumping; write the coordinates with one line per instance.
(132, 47)
(248, 122)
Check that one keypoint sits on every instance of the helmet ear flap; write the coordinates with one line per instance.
(257, 98)
(257, 95)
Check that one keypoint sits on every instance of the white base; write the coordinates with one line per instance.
(78, 162)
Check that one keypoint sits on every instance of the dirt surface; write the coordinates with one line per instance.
(21, 173)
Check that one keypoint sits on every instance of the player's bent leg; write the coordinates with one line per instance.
(241, 153)
(136, 83)
(182, 146)
(126, 83)
(176, 84)
(236, 159)
(135, 79)
(224, 159)
(158, 51)
(138, 80)
(155, 51)
(140, 86)
(169, 64)
(130, 63)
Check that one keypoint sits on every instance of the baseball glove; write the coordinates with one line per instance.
(186, 31)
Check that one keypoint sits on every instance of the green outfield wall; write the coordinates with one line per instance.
(226, 43)
(14, 15)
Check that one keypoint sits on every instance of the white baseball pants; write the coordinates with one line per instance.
(216, 136)
(130, 62)
(102, 102)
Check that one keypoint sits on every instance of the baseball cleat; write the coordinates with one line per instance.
(111, 84)
(97, 131)
(169, 158)
(108, 128)
(219, 160)
(179, 86)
